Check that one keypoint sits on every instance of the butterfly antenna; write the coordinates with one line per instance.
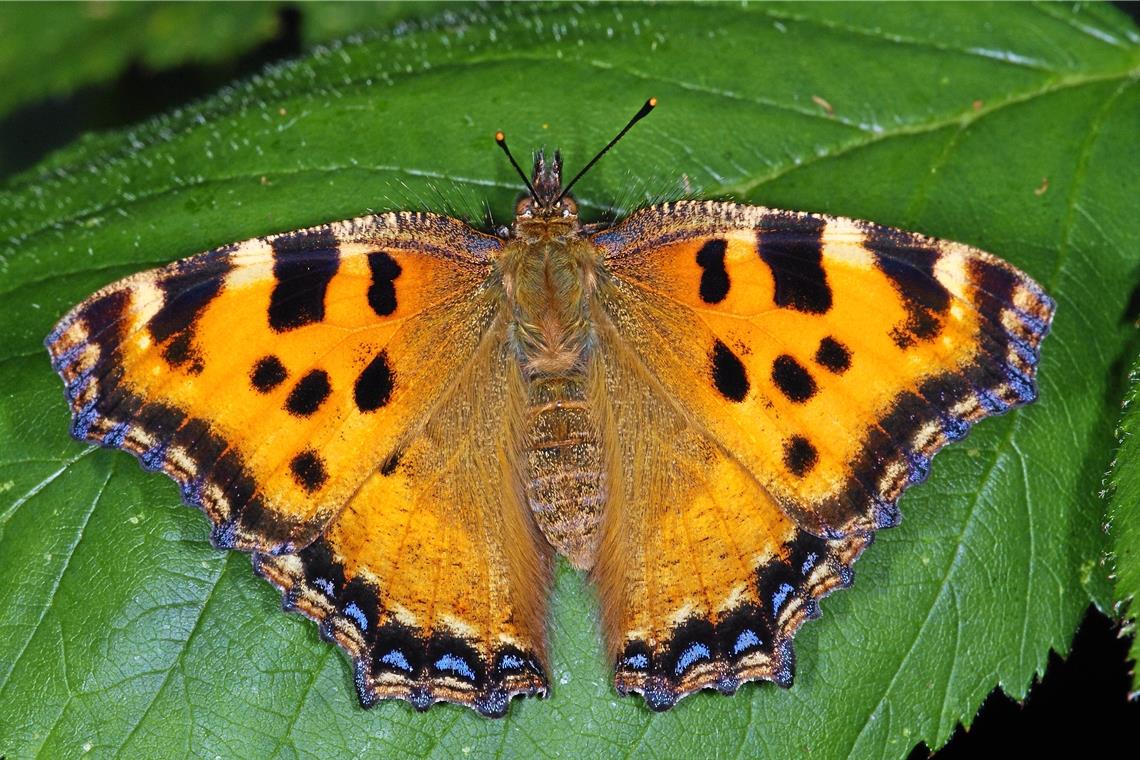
(645, 109)
(501, 139)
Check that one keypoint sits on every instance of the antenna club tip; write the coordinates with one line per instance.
(500, 137)
(652, 102)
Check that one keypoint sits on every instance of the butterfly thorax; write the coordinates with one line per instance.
(549, 278)
(548, 271)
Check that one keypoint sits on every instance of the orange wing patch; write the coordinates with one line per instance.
(824, 361)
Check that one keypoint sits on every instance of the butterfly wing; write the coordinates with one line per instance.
(817, 364)
(304, 390)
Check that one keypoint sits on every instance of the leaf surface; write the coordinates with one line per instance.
(1008, 127)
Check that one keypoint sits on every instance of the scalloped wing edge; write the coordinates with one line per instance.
(748, 642)
(397, 661)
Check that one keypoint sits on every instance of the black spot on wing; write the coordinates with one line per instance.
(909, 261)
(267, 374)
(186, 293)
(309, 471)
(833, 355)
(179, 351)
(374, 385)
(800, 456)
(714, 276)
(391, 463)
(791, 245)
(193, 285)
(382, 290)
(728, 373)
(303, 263)
(792, 379)
(309, 393)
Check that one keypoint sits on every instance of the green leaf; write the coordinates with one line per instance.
(1124, 514)
(1008, 127)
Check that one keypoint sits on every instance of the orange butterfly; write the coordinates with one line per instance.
(711, 407)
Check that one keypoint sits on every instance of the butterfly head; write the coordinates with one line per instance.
(548, 202)
(546, 199)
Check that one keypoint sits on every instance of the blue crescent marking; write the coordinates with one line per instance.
(693, 653)
(353, 611)
(637, 661)
(396, 659)
(745, 640)
(455, 665)
(809, 563)
(780, 596)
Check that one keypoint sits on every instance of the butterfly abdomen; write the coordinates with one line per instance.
(549, 282)
(565, 486)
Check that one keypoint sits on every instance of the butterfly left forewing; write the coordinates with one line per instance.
(252, 374)
(825, 358)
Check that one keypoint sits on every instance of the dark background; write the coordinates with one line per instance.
(1082, 698)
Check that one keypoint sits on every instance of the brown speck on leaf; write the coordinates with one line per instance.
(823, 104)
(265, 180)
(977, 104)
(1040, 189)
(281, 111)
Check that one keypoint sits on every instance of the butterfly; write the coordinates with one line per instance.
(709, 407)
